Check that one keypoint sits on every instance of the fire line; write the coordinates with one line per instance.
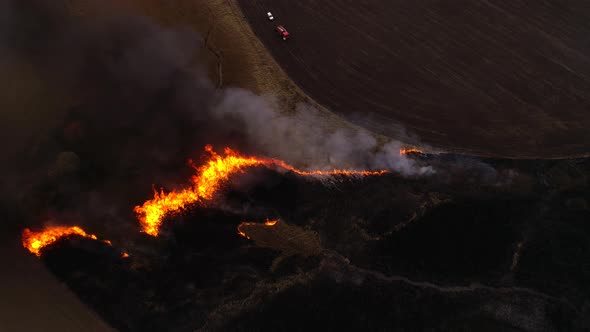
(208, 181)
(406, 151)
(36, 241)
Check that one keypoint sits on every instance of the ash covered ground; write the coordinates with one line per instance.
(462, 252)
(104, 108)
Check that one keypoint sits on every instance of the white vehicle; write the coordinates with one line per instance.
(270, 17)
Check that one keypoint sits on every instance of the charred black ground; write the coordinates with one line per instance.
(505, 252)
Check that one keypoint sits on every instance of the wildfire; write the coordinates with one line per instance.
(209, 179)
(205, 184)
(334, 172)
(36, 241)
(268, 223)
(405, 151)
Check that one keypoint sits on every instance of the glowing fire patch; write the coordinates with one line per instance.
(268, 223)
(209, 179)
(36, 241)
(406, 151)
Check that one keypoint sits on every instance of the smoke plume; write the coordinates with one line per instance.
(304, 138)
(97, 109)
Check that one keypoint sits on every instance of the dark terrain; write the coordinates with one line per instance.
(502, 78)
(96, 110)
(471, 249)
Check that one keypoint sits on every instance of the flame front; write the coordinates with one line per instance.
(209, 179)
(334, 172)
(205, 184)
(36, 241)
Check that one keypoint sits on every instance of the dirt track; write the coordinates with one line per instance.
(491, 77)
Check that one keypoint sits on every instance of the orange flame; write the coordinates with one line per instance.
(406, 151)
(207, 182)
(334, 172)
(36, 241)
(242, 233)
(268, 223)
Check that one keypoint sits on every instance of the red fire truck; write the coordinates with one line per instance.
(283, 32)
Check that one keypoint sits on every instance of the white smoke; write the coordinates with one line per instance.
(307, 138)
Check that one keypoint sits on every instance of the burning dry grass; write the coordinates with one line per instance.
(210, 178)
(408, 150)
(206, 183)
(35, 242)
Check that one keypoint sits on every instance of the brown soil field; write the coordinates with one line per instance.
(501, 78)
(34, 300)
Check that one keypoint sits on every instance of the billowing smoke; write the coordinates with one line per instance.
(304, 137)
(97, 109)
